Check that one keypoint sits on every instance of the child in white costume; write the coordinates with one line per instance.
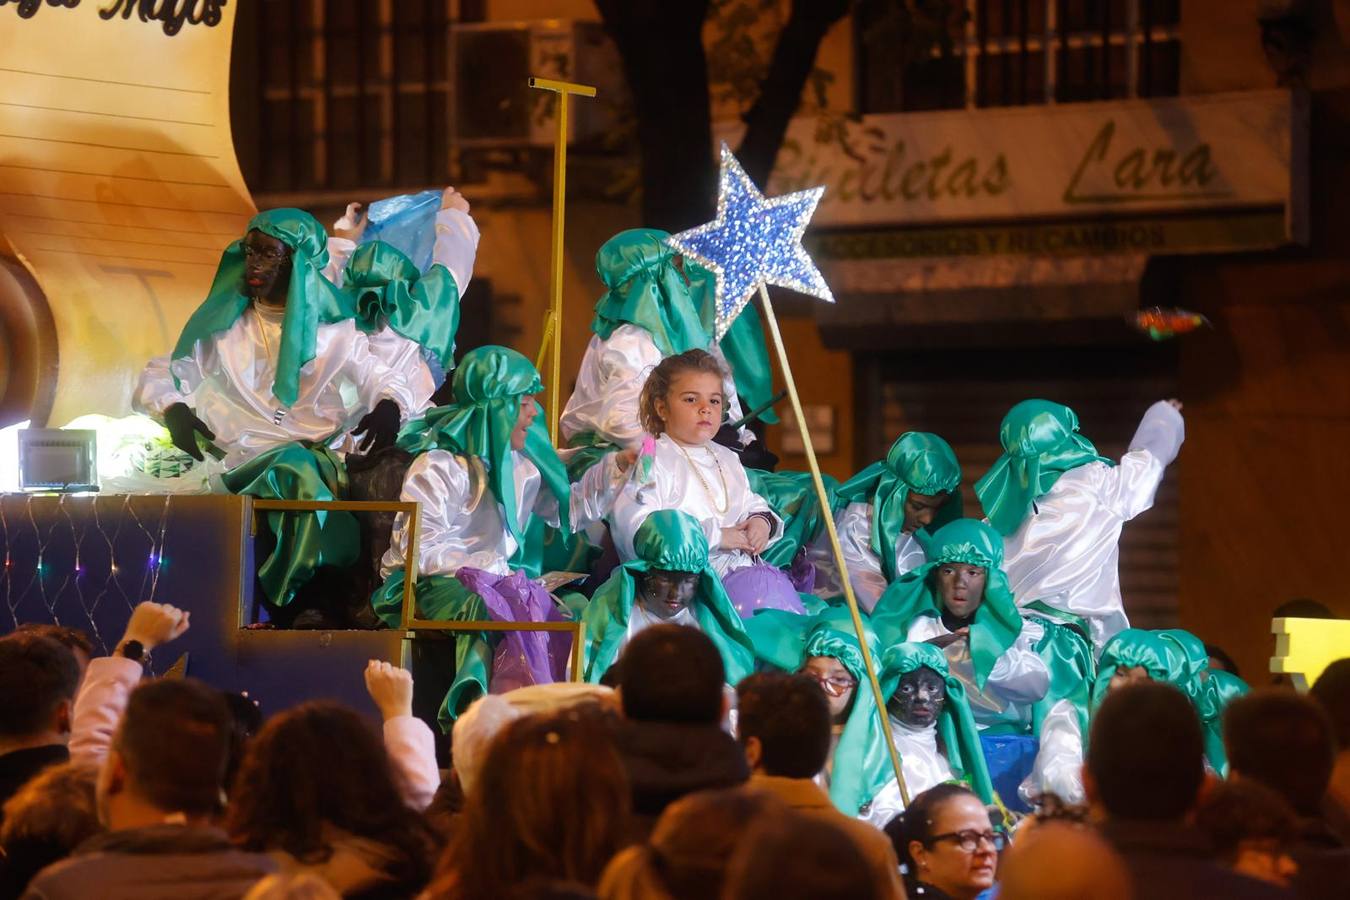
(682, 404)
(1061, 507)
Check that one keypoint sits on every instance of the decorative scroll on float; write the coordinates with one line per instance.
(756, 241)
(119, 186)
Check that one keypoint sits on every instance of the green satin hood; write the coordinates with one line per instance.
(488, 388)
(1220, 689)
(311, 299)
(1040, 442)
(997, 622)
(1187, 657)
(956, 725)
(671, 540)
(644, 288)
(920, 462)
(386, 287)
(1130, 648)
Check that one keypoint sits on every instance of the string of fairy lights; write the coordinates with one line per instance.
(85, 548)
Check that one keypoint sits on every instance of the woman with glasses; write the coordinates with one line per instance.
(946, 844)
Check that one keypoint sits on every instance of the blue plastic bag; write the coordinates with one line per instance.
(408, 222)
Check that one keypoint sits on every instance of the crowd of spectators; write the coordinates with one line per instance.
(116, 785)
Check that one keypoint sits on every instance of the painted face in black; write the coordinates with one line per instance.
(267, 268)
(920, 509)
(920, 697)
(664, 593)
(960, 588)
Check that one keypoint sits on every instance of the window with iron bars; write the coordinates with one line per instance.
(340, 94)
(1017, 53)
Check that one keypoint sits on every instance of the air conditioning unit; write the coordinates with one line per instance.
(493, 61)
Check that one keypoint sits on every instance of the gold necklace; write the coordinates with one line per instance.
(726, 494)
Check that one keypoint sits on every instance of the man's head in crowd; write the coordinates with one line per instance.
(671, 674)
(1250, 828)
(1130, 773)
(77, 641)
(1284, 741)
(38, 678)
(1062, 861)
(167, 757)
(1332, 693)
(784, 724)
(791, 855)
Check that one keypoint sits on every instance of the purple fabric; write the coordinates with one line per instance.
(802, 574)
(522, 657)
(761, 586)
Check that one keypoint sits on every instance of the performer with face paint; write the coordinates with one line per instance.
(890, 511)
(272, 374)
(959, 601)
(1061, 508)
(932, 726)
(669, 582)
(484, 468)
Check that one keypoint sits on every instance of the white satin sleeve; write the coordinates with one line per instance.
(340, 250)
(456, 245)
(155, 389)
(439, 482)
(636, 501)
(1161, 432)
(1020, 675)
(854, 524)
(606, 398)
(1059, 761)
(592, 498)
(376, 380)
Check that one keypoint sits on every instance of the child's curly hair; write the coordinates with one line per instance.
(658, 383)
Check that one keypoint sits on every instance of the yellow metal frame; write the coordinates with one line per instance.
(553, 321)
(409, 623)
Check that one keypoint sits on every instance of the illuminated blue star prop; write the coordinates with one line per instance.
(752, 242)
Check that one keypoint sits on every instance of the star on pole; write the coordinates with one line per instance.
(753, 241)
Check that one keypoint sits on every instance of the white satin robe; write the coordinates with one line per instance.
(924, 767)
(1066, 553)
(1019, 677)
(228, 379)
(609, 384)
(854, 525)
(1059, 759)
(455, 248)
(461, 523)
(674, 485)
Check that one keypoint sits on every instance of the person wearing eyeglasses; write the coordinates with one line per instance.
(947, 845)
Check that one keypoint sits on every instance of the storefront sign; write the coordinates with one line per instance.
(1211, 154)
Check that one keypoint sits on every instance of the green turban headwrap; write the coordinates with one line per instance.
(488, 388)
(644, 288)
(1131, 648)
(997, 622)
(955, 725)
(674, 541)
(311, 299)
(787, 640)
(1040, 443)
(386, 286)
(919, 462)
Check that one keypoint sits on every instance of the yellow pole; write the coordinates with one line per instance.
(852, 601)
(553, 325)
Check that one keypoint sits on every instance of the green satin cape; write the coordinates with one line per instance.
(446, 599)
(919, 462)
(1040, 443)
(792, 495)
(997, 622)
(386, 286)
(311, 299)
(1220, 689)
(956, 725)
(644, 288)
(305, 540)
(674, 541)
(488, 387)
(1069, 658)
